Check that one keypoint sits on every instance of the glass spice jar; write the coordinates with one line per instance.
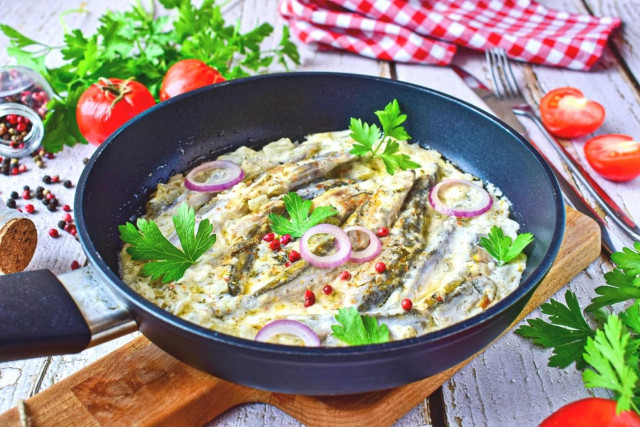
(24, 95)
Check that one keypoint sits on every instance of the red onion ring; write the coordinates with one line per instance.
(343, 246)
(371, 251)
(292, 327)
(483, 205)
(228, 180)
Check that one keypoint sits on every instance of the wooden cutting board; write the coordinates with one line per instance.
(141, 385)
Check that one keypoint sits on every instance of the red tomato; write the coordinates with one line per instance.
(108, 104)
(186, 75)
(567, 113)
(615, 157)
(591, 412)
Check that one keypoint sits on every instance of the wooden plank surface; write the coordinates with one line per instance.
(475, 396)
(112, 390)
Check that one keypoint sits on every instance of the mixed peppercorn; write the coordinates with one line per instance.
(21, 89)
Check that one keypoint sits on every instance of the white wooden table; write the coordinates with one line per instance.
(509, 383)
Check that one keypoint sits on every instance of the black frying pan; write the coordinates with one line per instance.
(176, 134)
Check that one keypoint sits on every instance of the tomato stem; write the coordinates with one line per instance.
(119, 90)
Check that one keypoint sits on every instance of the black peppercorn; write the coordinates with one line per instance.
(46, 201)
(61, 224)
(85, 160)
(51, 208)
(26, 188)
(11, 203)
(15, 195)
(53, 202)
(67, 184)
(46, 179)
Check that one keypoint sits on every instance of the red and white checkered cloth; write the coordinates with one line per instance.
(427, 31)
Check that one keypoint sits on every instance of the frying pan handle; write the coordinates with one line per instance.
(42, 315)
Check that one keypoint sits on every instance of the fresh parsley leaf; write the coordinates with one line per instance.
(502, 247)
(366, 137)
(611, 355)
(629, 261)
(391, 119)
(300, 220)
(167, 261)
(623, 283)
(619, 288)
(631, 317)
(566, 331)
(356, 329)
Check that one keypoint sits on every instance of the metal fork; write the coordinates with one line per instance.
(505, 86)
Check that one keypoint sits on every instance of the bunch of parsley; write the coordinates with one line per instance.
(609, 353)
(136, 44)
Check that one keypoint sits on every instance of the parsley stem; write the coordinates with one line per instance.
(375, 150)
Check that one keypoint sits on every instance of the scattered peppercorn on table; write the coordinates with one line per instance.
(508, 383)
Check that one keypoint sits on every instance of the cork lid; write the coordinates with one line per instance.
(18, 239)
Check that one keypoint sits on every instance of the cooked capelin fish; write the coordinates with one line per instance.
(240, 229)
(240, 266)
(417, 280)
(467, 299)
(268, 273)
(273, 182)
(377, 211)
(252, 163)
(368, 288)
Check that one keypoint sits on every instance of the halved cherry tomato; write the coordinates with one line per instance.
(591, 412)
(615, 157)
(566, 113)
(186, 75)
(108, 104)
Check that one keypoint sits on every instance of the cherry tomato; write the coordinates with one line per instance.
(566, 113)
(186, 75)
(615, 157)
(591, 412)
(108, 104)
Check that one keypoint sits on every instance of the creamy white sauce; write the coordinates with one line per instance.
(202, 294)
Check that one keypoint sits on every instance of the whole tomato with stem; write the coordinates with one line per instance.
(567, 113)
(591, 412)
(108, 104)
(186, 75)
(616, 157)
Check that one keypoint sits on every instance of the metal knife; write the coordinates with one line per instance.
(572, 197)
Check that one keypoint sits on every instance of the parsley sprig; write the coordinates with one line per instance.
(608, 354)
(503, 248)
(299, 219)
(167, 261)
(357, 329)
(136, 44)
(370, 139)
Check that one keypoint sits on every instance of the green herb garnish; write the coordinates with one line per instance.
(167, 261)
(566, 332)
(623, 282)
(300, 220)
(369, 138)
(613, 355)
(356, 329)
(608, 354)
(502, 247)
(139, 45)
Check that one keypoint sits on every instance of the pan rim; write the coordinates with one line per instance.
(316, 354)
